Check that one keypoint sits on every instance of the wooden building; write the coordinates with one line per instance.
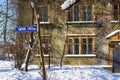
(85, 33)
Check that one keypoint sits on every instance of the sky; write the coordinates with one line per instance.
(11, 24)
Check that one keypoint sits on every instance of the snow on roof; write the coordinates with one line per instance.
(67, 4)
(113, 33)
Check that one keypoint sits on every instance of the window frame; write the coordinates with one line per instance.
(87, 37)
(44, 11)
(80, 12)
(87, 44)
(115, 16)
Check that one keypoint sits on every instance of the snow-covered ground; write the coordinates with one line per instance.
(7, 72)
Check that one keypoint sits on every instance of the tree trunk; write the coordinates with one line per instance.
(40, 44)
(5, 28)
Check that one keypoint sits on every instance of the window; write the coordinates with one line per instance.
(70, 16)
(76, 11)
(70, 46)
(89, 13)
(43, 14)
(45, 43)
(115, 12)
(73, 46)
(87, 45)
(83, 13)
(76, 45)
(81, 45)
(84, 46)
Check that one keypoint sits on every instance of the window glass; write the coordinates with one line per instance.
(89, 13)
(115, 12)
(90, 46)
(70, 15)
(83, 13)
(84, 47)
(76, 49)
(43, 14)
(76, 40)
(76, 45)
(90, 49)
(90, 40)
(84, 40)
(76, 13)
(70, 46)
(70, 40)
(70, 49)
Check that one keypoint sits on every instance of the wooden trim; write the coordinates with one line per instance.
(93, 12)
(49, 15)
(94, 41)
(110, 62)
(80, 46)
(82, 55)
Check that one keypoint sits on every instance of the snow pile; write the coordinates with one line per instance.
(17, 75)
(6, 64)
(84, 73)
(67, 4)
(8, 73)
(56, 73)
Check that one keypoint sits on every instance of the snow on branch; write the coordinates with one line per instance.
(67, 4)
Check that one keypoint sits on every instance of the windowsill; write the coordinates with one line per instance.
(81, 34)
(83, 55)
(114, 21)
(80, 22)
(44, 22)
(103, 66)
(38, 55)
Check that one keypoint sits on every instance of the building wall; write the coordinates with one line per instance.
(58, 28)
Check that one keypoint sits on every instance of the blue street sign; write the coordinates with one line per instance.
(26, 29)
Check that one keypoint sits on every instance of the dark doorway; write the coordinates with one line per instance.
(116, 60)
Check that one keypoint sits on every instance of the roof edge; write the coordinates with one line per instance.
(112, 33)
